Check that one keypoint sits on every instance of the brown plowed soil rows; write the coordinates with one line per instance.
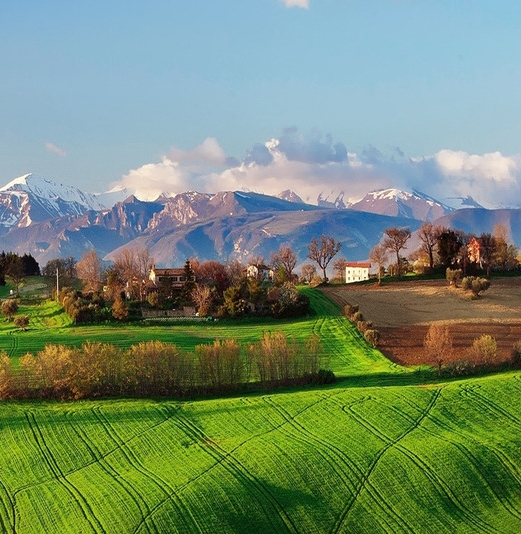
(402, 312)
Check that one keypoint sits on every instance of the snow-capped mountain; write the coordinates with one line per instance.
(49, 220)
(31, 198)
(397, 203)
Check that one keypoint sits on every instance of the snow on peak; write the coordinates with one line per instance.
(51, 191)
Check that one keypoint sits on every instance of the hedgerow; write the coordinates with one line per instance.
(156, 368)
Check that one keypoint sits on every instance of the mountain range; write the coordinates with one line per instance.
(50, 220)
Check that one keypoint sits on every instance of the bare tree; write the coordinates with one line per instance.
(308, 272)
(90, 270)
(143, 263)
(488, 249)
(322, 251)
(396, 241)
(284, 260)
(339, 268)
(234, 270)
(378, 255)
(202, 297)
(428, 234)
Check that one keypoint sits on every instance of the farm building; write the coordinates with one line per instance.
(175, 275)
(357, 271)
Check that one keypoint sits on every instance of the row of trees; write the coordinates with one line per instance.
(160, 369)
(447, 248)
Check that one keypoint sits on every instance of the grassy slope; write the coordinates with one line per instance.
(341, 342)
(397, 459)
(361, 456)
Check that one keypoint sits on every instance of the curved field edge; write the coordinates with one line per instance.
(443, 458)
(348, 352)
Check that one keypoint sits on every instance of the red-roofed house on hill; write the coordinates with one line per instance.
(357, 271)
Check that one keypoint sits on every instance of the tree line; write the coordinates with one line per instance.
(156, 368)
(445, 248)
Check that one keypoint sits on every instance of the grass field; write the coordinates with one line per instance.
(380, 451)
(344, 345)
(411, 459)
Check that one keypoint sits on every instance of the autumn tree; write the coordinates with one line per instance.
(9, 308)
(308, 272)
(213, 274)
(396, 241)
(284, 261)
(506, 254)
(90, 270)
(22, 322)
(378, 255)
(322, 251)
(437, 345)
(119, 309)
(428, 235)
(484, 349)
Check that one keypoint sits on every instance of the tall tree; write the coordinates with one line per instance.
(396, 241)
(284, 260)
(488, 249)
(428, 235)
(378, 255)
(15, 270)
(90, 270)
(449, 245)
(339, 268)
(322, 251)
(125, 263)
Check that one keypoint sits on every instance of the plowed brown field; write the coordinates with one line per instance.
(403, 311)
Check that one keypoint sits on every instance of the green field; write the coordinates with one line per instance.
(379, 451)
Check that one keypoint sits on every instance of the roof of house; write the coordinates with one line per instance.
(360, 264)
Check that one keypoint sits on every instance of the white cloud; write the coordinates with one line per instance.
(492, 179)
(55, 149)
(207, 153)
(318, 166)
(304, 4)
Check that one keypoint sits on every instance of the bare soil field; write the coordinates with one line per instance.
(403, 311)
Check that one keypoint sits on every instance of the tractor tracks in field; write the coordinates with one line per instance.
(52, 464)
(242, 474)
(170, 494)
(334, 456)
(395, 442)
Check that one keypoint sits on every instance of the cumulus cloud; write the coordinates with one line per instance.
(304, 4)
(316, 165)
(55, 149)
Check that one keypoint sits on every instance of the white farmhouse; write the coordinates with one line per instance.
(357, 271)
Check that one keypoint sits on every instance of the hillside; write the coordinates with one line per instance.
(383, 450)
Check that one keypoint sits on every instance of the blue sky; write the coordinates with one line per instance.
(181, 92)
